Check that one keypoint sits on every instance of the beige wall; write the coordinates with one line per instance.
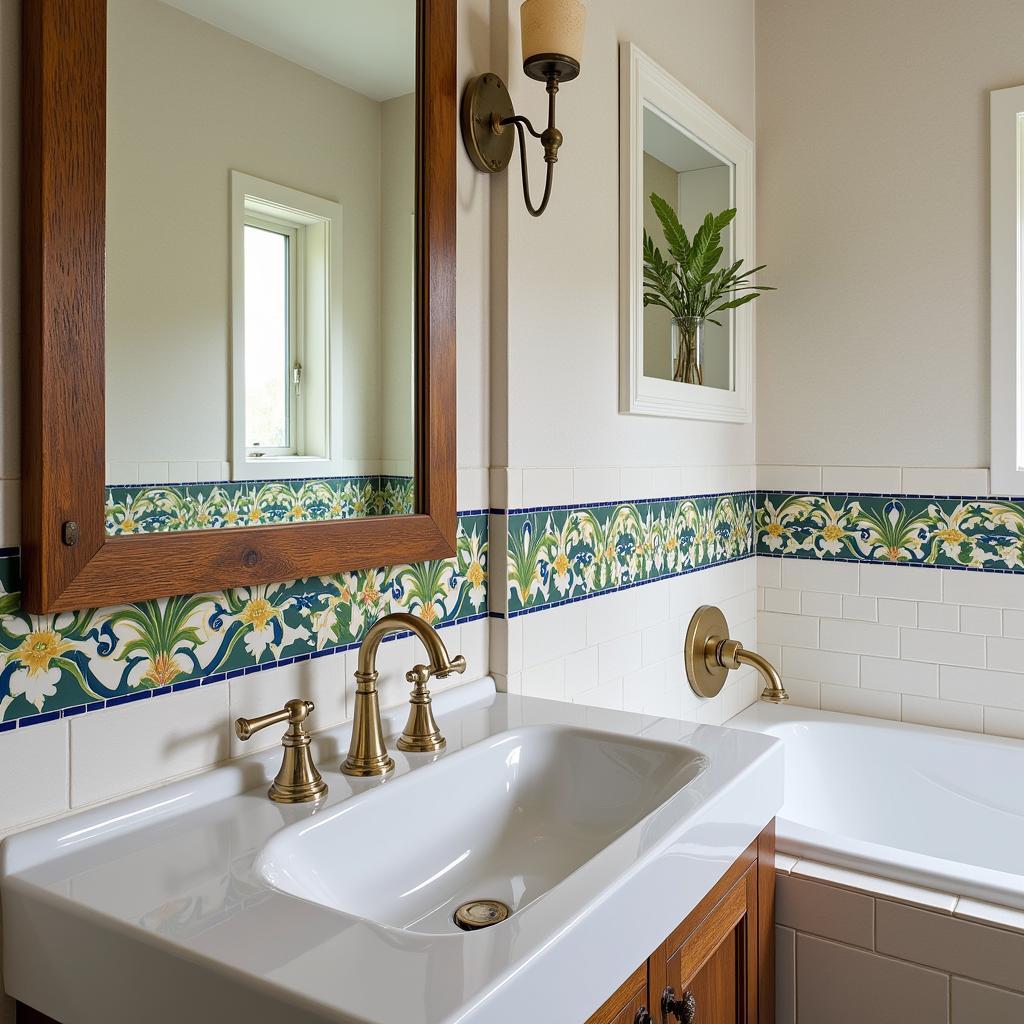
(873, 170)
(187, 104)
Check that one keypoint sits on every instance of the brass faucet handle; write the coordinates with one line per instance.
(295, 712)
(298, 781)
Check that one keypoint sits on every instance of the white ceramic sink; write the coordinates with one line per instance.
(204, 901)
(507, 819)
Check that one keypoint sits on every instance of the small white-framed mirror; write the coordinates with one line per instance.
(675, 146)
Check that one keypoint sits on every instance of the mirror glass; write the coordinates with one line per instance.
(694, 181)
(260, 276)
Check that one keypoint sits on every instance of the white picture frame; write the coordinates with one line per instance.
(644, 84)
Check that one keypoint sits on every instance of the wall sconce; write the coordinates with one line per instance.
(552, 33)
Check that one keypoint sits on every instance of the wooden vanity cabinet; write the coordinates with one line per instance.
(719, 962)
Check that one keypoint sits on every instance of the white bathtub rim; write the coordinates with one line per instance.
(802, 842)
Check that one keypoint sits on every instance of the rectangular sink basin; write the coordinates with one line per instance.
(507, 819)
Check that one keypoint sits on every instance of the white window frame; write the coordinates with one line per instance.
(1007, 141)
(291, 230)
(644, 84)
(317, 290)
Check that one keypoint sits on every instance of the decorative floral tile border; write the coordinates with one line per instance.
(75, 662)
(162, 508)
(945, 532)
(573, 552)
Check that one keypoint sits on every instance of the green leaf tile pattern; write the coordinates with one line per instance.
(964, 533)
(563, 554)
(49, 663)
(162, 508)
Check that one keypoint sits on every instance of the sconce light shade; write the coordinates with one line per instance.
(552, 38)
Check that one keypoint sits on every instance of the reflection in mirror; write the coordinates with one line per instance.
(695, 181)
(260, 286)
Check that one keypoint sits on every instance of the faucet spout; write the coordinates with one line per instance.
(773, 691)
(368, 755)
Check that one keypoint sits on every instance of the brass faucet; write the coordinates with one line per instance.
(710, 654)
(367, 753)
(298, 781)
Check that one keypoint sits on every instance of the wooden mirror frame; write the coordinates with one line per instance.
(68, 561)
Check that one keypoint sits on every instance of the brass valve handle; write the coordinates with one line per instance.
(298, 781)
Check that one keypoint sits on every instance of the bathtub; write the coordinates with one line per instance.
(934, 808)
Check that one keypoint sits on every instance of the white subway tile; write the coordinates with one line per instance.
(185, 472)
(974, 1003)
(862, 608)
(984, 621)
(950, 944)
(938, 616)
(1005, 654)
(803, 693)
(653, 603)
(547, 680)
(945, 714)
(206, 472)
(908, 583)
(769, 572)
(839, 984)
(637, 483)
(123, 473)
(547, 487)
(852, 700)
(828, 666)
(159, 738)
(860, 637)
(506, 645)
(555, 632)
(596, 483)
(782, 601)
(989, 589)
(34, 769)
(760, 599)
(581, 671)
(788, 630)
(982, 686)
(662, 641)
(1001, 722)
(808, 574)
(608, 695)
(789, 478)
(610, 616)
(897, 676)
(942, 648)
(825, 910)
(617, 657)
(1013, 622)
(153, 473)
(861, 479)
(827, 606)
(958, 482)
(897, 613)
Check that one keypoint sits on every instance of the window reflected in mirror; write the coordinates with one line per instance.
(260, 274)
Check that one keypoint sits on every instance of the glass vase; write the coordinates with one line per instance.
(688, 350)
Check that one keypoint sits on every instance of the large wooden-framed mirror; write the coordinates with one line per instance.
(238, 302)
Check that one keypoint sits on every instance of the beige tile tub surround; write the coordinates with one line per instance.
(854, 948)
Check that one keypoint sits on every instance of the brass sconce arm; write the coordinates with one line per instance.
(551, 140)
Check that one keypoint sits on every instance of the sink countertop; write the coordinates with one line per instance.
(157, 901)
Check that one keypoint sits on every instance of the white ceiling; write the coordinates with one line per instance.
(665, 142)
(368, 46)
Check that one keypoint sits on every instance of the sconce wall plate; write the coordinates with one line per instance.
(485, 104)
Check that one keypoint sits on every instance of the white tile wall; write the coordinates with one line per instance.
(624, 650)
(938, 647)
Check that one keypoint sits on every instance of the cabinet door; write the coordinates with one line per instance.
(628, 1003)
(713, 972)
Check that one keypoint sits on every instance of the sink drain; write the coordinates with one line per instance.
(478, 914)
